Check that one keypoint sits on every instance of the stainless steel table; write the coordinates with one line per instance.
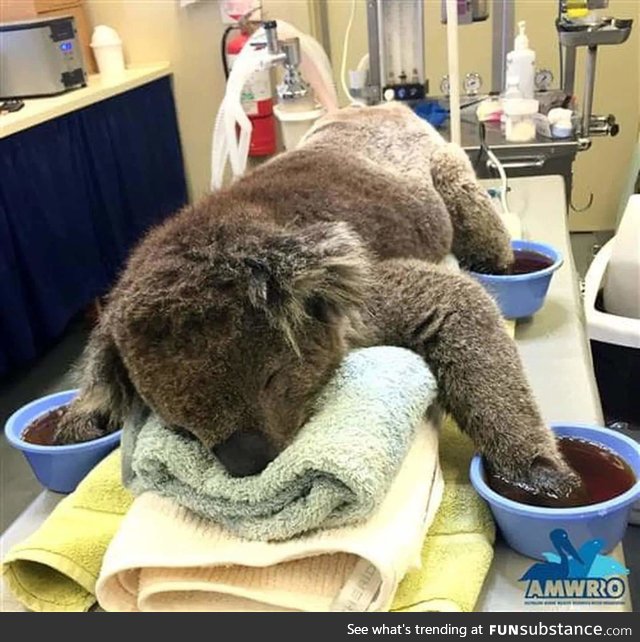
(556, 355)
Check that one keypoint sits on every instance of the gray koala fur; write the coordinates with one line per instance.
(232, 315)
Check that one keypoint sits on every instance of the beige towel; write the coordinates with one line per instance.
(165, 558)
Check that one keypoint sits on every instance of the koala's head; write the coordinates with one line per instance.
(233, 337)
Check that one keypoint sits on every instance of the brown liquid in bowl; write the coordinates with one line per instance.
(604, 476)
(527, 261)
(42, 430)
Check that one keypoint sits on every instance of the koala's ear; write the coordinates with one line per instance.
(319, 271)
(334, 267)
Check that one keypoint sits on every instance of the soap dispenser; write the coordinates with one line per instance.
(513, 88)
(521, 63)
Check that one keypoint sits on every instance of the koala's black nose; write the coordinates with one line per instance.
(245, 453)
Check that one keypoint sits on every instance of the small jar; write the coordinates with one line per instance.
(561, 122)
(520, 119)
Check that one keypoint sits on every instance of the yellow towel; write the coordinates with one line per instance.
(56, 568)
(458, 549)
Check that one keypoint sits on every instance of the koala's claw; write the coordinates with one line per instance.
(75, 427)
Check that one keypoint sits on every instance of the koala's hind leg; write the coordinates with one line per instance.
(480, 240)
(105, 392)
(450, 320)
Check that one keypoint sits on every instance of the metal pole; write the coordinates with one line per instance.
(587, 102)
(569, 80)
(322, 17)
(375, 81)
(453, 59)
(420, 44)
(504, 22)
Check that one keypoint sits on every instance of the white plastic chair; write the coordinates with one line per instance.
(615, 271)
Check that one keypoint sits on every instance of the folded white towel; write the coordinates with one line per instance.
(165, 558)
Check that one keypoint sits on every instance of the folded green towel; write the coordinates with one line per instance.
(336, 471)
(458, 549)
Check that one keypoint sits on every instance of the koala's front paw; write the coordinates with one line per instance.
(495, 259)
(545, 482)
(77, 426)
(557, 483)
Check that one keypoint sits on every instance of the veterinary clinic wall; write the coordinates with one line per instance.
(603, 169)
(189, 37)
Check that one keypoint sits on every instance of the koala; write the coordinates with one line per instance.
(232, 315)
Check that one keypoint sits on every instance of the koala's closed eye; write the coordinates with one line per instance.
(320, 310)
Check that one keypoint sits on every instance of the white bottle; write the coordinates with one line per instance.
(513, 88)
(521, 62)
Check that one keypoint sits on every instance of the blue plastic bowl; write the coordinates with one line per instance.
(58, 468)
(522, 295)
(526, 528)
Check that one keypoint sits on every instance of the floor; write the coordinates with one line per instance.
(51, 373)
(18, 486)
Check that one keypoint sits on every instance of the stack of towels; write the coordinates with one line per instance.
(334, 523)
(312, 531)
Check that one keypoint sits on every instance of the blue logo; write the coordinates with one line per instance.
(568, 575)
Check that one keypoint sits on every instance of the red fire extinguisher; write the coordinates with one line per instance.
(256, 100)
